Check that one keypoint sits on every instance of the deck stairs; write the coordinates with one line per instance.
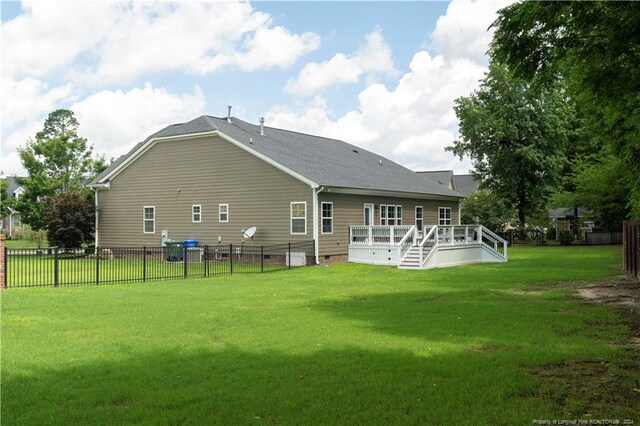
(411, 259)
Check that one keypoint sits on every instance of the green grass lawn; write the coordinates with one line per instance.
(345, 344)
(23, 244)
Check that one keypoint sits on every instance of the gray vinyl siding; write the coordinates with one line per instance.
(349, 210)
(175, 175)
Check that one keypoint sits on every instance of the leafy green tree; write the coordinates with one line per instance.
(595, 47)
(603, 184)
(5, 199)
(70, 218)
(486, 208)
(57, 160)
(515, 136)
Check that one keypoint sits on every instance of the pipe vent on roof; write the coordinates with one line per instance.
(262, 126)
(229, 113)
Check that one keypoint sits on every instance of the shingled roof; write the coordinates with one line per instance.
(324, 161)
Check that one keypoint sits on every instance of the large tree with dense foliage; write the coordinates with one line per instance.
(595, 47)
(516, 135)
(70, 218)
(57, 160)
(486, 208)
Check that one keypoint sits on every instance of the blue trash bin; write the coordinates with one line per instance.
(190, 243)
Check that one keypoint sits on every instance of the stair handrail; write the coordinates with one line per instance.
(404, 247)
(433, 232)
(410, 233)
(496, 240)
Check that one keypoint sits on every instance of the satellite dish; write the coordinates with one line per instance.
(248, 233)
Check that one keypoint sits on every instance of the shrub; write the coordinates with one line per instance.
(566, 238)
(551, 233)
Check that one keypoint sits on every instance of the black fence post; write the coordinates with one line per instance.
(56, 270)
(144, 264)
(6, 267)
(231, 258)
(97, 254)
(261, 258)
(206, 254)
(289, 256)
(184, 259)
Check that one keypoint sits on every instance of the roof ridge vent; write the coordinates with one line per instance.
(229, 113)
(261, 126)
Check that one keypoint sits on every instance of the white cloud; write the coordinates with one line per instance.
(49, 36)
(463, 32)
(117, 42)
(410, 124)
(373, 56)
(414, 121)
(11, 164)
(29, 98)
(114, 121)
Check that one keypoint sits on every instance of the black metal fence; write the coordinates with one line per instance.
(33, 267)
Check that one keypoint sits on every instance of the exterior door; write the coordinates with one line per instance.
(368, 214)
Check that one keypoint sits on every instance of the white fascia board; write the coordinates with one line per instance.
(151, 142)
(268, 160)
(397, 194)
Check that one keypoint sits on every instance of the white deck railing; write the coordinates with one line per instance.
(401, 238)
(379, 234)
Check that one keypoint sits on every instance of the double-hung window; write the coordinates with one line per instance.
(223, 213)
(327, 218)
(196, 213)
(444, 216)
(149, 219)
(419, 217)
(299, 217)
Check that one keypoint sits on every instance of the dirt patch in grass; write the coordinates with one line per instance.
(622, 289)
(600, 388)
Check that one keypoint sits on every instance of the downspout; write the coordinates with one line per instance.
(315, 222)
(459, 211)
(97, 213)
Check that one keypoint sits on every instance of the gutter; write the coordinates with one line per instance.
(316, 235)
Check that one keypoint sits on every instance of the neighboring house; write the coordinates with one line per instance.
(210, 178)
(563, 217)
(11, 222)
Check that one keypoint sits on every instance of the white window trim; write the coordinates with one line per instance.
(193, 213)
(144, 220)
(397, 219)
(322, 218)
(220, 213)
(440, 220)
(291, 218)
(416, 217)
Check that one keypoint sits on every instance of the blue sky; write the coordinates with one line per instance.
(381, 75)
